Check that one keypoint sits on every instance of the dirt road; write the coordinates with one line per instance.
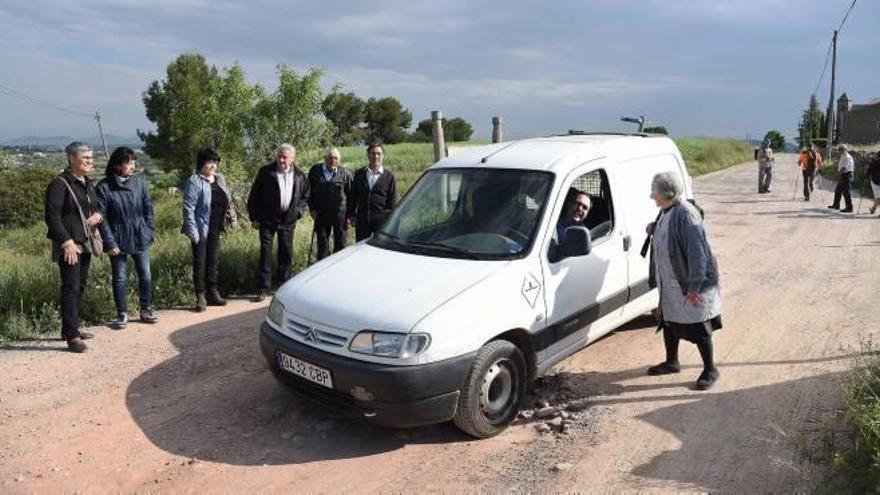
(188, 405)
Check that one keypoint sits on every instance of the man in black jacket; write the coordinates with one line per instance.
(278, 198)
(330, 187)
(373, 194)
(71, 246)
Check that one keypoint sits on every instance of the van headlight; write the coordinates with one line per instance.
(386, 344)
(276, 313)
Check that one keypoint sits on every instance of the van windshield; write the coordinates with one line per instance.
(468, 213)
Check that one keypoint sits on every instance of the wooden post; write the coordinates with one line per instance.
(497, 129)
(101, 132)
(439, 142)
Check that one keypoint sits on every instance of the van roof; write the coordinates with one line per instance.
(557, 153)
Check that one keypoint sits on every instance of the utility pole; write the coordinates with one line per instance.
(830, 117)
(103, 138)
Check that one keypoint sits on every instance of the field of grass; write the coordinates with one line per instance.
(29, 281)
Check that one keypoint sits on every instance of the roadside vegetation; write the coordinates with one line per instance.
(29, 281)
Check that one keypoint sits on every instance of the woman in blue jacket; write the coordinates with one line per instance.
(127, 230)
(207, 203)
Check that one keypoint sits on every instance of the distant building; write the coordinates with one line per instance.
(858, 124)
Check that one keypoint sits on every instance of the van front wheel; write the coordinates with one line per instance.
(493, 391)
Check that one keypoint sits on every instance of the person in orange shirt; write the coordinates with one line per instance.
(810, 162)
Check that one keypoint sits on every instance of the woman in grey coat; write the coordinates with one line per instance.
(684, 270)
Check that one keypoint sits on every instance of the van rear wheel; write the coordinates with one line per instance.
(493, 391)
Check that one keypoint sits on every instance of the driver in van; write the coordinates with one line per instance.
(574, 212)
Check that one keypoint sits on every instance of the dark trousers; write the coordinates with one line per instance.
(283, 267)
(364, 228)
(808, 183)
(205, 261)
(73, 286)
(119, 267)
(325, 225)
(765, 175)
(843, 189)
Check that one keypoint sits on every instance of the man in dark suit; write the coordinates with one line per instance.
(373, 194)
(278, 198)
(330, 185)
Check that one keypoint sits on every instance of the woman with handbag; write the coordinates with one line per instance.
(207, 204)
(72, 216)
(127, 231)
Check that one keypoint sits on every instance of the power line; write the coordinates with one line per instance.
(824, 68)
(21, 96)
(847, 15)
(828, 55)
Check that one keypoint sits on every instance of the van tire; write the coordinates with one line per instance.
(493, 391)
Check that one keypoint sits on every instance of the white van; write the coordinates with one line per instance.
(462, 298)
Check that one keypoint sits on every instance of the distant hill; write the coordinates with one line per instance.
(113, 140)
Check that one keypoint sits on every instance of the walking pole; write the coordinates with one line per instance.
(797, 173)
(861, 195)
(311, 246)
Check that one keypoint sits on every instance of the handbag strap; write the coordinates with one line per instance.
(82, 217)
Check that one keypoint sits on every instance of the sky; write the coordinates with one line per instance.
(724, 68)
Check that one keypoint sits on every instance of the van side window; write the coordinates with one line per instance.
(600, 217)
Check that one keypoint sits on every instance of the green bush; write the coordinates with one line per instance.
(861, 399)
(22, 192)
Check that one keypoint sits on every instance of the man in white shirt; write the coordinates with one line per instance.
(765, 167)
(278, 198)
(845, 168)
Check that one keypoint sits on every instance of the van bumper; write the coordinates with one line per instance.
(396, 396)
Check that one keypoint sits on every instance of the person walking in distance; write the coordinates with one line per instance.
(845, 168)
(373, 194)
(127, 231)
(71, 212)
(810, 162)
(765, 167)
(330, 188)
(278, 198)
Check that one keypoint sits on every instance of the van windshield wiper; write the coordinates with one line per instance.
(443, 247)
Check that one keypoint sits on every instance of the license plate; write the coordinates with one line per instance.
(309, 371)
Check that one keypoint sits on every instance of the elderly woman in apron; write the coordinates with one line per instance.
(684, 270)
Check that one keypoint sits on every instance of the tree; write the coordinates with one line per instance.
(193, 108)
(386, 120)
(5, 161)
(290, 114)
(812, 125)
(455, 129)
(777, 140)
(659, 129)
(345, 112)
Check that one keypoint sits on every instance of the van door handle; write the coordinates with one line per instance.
(627, 242)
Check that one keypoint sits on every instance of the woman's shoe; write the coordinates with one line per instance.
(120, 322)
(707, 379)
(147, 316)
(201, 303)
(664, 368)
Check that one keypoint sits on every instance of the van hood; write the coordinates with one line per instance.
(365, 287)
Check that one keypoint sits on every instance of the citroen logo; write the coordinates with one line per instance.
(312, 335)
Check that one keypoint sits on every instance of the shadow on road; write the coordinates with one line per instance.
(216, 400)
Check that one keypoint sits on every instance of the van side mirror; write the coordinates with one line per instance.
(577, 242)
